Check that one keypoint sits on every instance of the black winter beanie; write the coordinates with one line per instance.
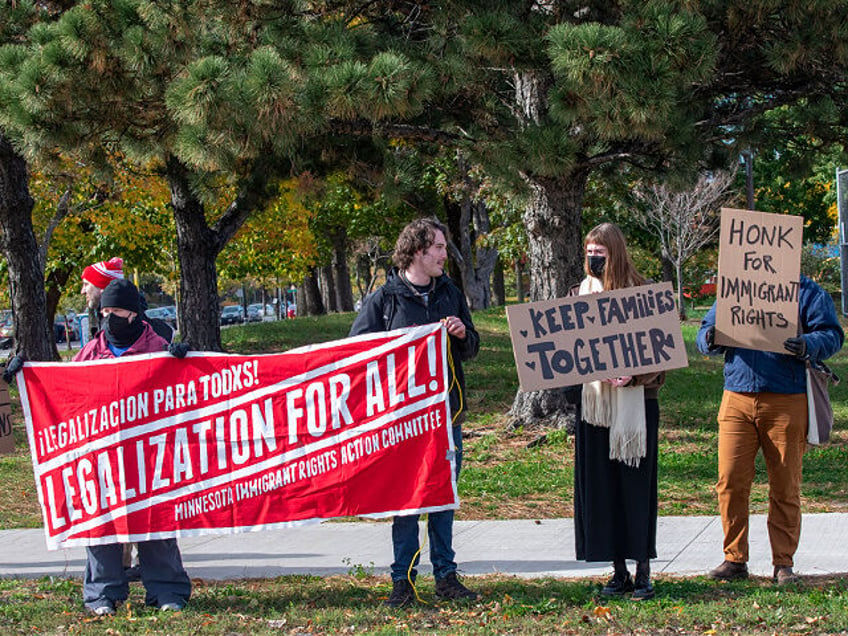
(123, 294)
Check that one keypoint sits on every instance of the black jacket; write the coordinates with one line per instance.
(395, 306)
(162, 328)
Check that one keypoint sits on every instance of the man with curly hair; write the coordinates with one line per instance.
(418, 292)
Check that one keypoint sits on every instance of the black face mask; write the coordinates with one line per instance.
(597, 264)
(120, 331)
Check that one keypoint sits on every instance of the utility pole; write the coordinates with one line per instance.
(748, 158)
(842, 206)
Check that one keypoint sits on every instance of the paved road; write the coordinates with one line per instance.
(528, 548)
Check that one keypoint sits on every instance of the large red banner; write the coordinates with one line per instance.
(150, 446)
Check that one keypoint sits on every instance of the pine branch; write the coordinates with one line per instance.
(361, 128)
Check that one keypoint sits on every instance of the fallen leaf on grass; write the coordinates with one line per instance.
(602, 612)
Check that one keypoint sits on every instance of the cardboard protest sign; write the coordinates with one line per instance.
(759, 269)
(7, 439)
(578, 339)
(151, 446)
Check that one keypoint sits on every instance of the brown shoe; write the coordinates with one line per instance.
(730, 571)
(783, 575)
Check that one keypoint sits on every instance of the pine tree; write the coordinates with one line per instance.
(33, 333)
(210, 94)
(661, 86)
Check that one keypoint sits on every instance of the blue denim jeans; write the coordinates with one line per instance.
(162, 574)
(439, 531)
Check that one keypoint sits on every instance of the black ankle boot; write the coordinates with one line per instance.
(621, 583)
(643, 590)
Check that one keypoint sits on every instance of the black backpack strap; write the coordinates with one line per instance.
(389, 309)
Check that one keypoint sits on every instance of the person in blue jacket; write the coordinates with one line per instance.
(418, 292)
(764, 405)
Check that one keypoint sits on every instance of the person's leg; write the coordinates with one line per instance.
(643, 589)
(440, 531)
(782, 420)
(738, 443)
(163, 574)
(440, 524)
(104, 582)
(597, 496)
(636, 503)
(440, 534)
(621, 582)
(405, 544)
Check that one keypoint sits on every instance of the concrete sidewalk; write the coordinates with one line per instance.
(526, 548)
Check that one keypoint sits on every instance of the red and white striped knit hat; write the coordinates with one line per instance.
(102, 273)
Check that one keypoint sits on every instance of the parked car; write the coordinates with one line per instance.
(168, 314)
(257, 312)
(232, 315)
(7, 332)
(171, 311)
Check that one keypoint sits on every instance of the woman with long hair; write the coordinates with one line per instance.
(615, 469)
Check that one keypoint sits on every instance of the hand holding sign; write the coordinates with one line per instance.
(455, 327)
(15, 365)
(796, 346)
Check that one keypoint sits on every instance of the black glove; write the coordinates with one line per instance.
(15, 365)
(178, 349)
(710, 337)
(796, 346)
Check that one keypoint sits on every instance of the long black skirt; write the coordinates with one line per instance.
(615, 506)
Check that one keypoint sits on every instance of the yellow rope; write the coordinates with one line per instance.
(454, 382)
(412, 563)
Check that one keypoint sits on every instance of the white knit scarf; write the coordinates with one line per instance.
(620, 409)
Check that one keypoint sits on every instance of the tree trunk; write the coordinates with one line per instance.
(519, 280)
(312, 294)
(498, 285)
(477, 262)
(197, 249)
(555, 247)
(667, 269)
(198, 246)
(363, 274)
(328, 288)
(468, 221)
(341, 272)
(681, 300)
(33, 333)
(554, 235)
(56, 280)
(300, 299)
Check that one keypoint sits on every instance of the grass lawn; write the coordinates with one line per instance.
(352, 605)
(506, 474)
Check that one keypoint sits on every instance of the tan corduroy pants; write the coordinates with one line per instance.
(777, 423)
